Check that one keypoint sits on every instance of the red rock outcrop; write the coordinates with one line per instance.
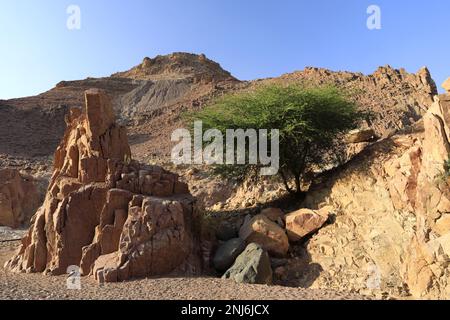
(113, 217)
(19, 198)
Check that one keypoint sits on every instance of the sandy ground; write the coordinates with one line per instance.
(41, 287)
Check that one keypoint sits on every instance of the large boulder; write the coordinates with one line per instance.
(303, 222)
(227, 253)
(19, 198)
(268, 234)
(115, 218)
(252, 266)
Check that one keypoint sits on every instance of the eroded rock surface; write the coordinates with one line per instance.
(392, 230)
(106, 213)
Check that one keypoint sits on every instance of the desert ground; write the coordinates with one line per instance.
(41, 287)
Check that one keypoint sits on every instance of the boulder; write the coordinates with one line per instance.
(19, 198)
(446, 85)
(303, 222)
(252, 266)
(227, 253)
(360, 135)
(115, 218)
(266, 233)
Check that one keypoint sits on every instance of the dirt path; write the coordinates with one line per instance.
(38, 286)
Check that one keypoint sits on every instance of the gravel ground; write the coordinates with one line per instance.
(10, 234)
(41, 287)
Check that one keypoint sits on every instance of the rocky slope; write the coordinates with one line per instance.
(392, 228)
(150, 97)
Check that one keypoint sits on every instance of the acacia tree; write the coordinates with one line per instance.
(309, 120)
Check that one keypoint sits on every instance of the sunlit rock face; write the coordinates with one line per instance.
(392, 230)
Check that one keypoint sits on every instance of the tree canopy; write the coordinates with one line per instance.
(309, 119)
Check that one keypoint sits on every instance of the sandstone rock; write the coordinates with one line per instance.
(361, 135)
(227, 253)
(266, 233)
(115, 218)
(252, 266)
(446, 85)
(303, 222)
(19, 198)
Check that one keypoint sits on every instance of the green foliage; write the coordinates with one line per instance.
(309, 120)
(447, 168)
(444, 175)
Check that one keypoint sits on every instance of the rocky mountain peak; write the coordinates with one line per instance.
(178, 65)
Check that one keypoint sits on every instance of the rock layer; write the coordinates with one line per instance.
(106, 213)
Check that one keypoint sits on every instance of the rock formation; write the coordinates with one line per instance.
(19, 198)
(392, 231)
(106, 213)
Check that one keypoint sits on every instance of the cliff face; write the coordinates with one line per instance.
(110, 215)
(392, 229)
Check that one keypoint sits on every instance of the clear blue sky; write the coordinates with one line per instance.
(250, 38)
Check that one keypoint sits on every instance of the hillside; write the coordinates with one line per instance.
(150, 97)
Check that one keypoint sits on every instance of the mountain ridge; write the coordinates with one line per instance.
(149, 98)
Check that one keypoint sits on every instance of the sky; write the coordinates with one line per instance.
(251, 38)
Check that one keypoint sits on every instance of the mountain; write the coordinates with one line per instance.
(388, 225)
(150, 97)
